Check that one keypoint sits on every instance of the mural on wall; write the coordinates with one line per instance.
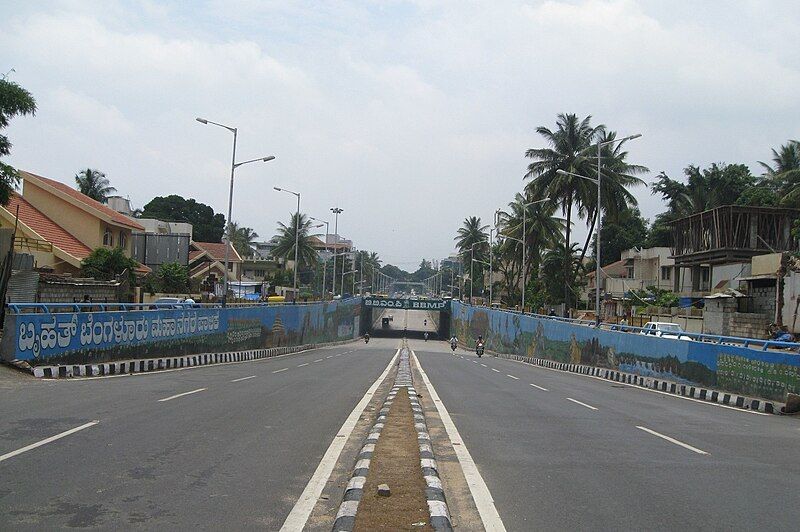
(768, 374)
(91, 337)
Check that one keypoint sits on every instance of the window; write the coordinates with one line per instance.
(108, 237)
(122, 240)
(666, 273)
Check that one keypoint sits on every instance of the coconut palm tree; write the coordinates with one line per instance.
(472, 232)
(242, 239)
(94, 184)
(784, 173)
(553, 262)
(306, 254)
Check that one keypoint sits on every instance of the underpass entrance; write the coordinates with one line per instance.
(394, 317)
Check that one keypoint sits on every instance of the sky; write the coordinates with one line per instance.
(409, 115)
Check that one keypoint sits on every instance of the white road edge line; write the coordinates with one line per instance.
(582, 404)
(45, 441)
(671, 440)
(244, 378)
(171, 397)
(513, 377)
(279, 370)
(477, 487)
(302, 509)
(538, 387)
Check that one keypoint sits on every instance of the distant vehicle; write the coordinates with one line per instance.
(171, 302)
(664, 329)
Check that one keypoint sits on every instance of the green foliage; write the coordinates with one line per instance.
(660, 233)
(287, 236)
(552, 274)
(207, 226)
(95, 184)
(14, 101)
(758, 195)
(172, 278)
(718, 185)
(628, 230)
(242, 239)
(653, 297)
(107, 264)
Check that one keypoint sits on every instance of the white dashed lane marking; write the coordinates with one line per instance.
(45, 441)
(171, 397)
(538, 387)
(303, 364)
(244, 378)
(279, 370)
(672, 440)
(513, 377)
(497, 370)
(579, 403)
(318, 360)
(484, 365)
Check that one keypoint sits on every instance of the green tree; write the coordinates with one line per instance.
(173, 278)
(207, 226)
(718, 185)
(95, 184)
(306, 254)
(108, 264)
(553, 269)
(472, 234)
(784, 173)
(660, 233)
(242, 239)
(628, 230)
(14, 101)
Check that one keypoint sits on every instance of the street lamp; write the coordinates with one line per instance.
(325, 262)
(599, 223)
(336, 212)
(234, 166)
(296, 237)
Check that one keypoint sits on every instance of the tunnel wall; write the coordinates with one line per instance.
(91, 337)
(768, 374)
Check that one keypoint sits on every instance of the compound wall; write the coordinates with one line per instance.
(767, 374)
(93, 337)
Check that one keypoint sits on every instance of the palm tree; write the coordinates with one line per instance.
(552, 268)
(569, 151)
(93, 183)
(472, 232)
(306, 254)
(784, 174)
(242, 239)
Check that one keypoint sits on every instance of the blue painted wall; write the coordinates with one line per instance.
(84, 337)
(768, 374)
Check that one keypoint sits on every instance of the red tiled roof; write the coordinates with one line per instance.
(85, 200)
(47, 228)
(216, 250)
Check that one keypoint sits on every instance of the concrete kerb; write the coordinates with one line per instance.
(661, 385)
(434, 494)
(127, 367)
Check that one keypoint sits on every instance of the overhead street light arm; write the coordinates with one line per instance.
(204, 121)
(260, 159)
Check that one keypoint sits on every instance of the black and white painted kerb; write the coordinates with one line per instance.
(686, 390)
(437, 506)
(161, 363)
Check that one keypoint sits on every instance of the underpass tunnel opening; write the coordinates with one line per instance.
(387, 322)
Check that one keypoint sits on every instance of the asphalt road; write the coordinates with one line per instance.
(235, 454)
(560, 451)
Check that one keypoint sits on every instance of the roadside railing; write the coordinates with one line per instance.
(54, 308)
(752, 343)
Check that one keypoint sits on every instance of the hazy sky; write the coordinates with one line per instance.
(408, 115)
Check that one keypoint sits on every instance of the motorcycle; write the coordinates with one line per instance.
(453, 346)
(366, 339)
(479, 349)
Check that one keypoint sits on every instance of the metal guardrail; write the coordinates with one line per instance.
(751, 343)
(53, 308)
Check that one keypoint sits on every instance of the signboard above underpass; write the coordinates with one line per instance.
(406, 304)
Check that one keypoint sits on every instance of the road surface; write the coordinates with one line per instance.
(235, 454)
(559, 451)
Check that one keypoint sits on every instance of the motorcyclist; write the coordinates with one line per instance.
(366, 338)
(479, 345)
(453, 342)
(426, 336)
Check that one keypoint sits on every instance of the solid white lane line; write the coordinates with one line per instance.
(538, 387)
(497, 370)
(318, 360)
(477, 487)
(513, 377)
(171, 397)
(302, 509)
(303, 364)
(672, 440)
(582, 404)
(45, 441)
(244, 378)
(279, 370)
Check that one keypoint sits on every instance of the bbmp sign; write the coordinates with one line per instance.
(406, 304)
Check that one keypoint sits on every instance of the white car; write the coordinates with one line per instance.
(664, 329)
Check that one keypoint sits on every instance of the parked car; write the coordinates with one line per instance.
(664, 329)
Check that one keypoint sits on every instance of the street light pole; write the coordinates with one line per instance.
(599, 223)
(234, 166)
(336, 212)
(296, 237)
(325, 262)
